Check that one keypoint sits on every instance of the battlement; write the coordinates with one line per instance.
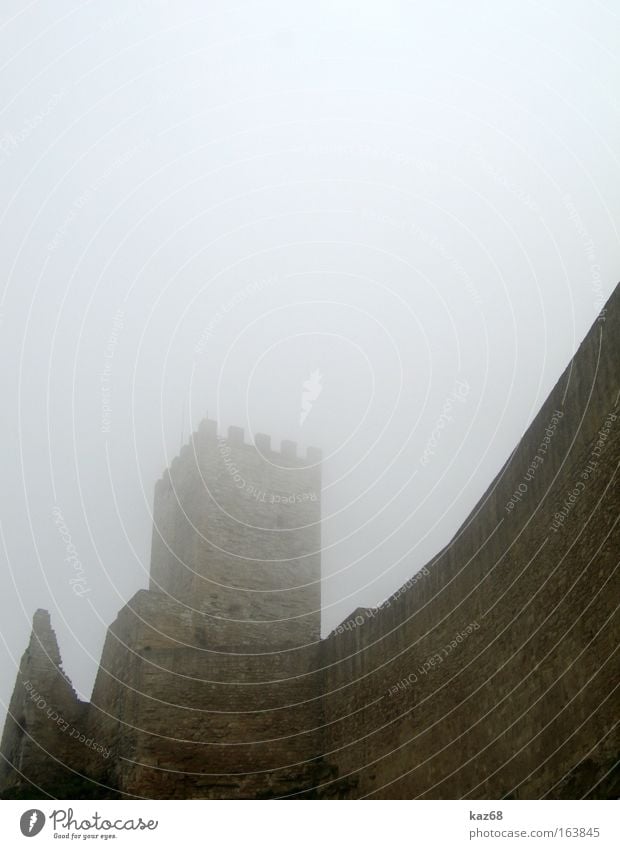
(207, 438)
(262, 442)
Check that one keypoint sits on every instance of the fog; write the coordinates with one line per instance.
(381, 229)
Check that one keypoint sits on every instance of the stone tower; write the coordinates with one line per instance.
(236, 535)
(217, 663)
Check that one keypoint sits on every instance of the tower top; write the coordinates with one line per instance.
(207, 438)
(237, 536)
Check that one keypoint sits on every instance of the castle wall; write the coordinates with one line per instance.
(493, 675)
(490, 674)
(242, 723)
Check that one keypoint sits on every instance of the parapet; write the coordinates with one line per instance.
(262, 443)
(235, 435)
(207, 437)
(208, 428)
(288, 449)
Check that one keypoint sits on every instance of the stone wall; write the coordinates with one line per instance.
(45, 746)
(191, 715)
(490, 674)
(493, 675)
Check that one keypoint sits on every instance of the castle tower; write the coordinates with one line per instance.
(236, 535)
(218, 662)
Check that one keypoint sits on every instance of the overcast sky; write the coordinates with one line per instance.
(411, 206)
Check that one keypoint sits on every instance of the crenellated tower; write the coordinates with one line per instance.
(236, 535)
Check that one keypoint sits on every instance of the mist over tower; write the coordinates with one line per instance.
(236, 534)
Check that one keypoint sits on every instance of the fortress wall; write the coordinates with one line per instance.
(237, 532)
(194, 717)
(521, 705)
(490, 674)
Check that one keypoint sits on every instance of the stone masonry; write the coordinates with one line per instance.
(492, 673)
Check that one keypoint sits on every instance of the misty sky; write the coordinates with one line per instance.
(410, 205)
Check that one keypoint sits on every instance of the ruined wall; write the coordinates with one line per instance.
(493, 674)
(45, 746)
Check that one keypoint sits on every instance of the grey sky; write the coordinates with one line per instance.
(205, 203)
